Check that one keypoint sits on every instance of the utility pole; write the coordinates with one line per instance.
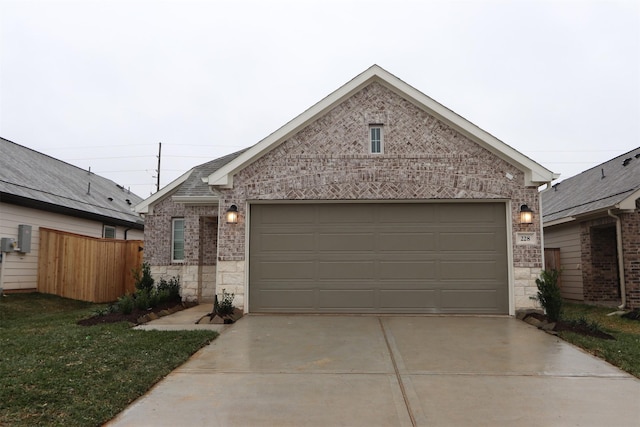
(158, 170)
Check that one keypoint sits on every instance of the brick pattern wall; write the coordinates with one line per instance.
(197, 271)
(423, 159)
(599, 260)
(201, 233)
(631, 247)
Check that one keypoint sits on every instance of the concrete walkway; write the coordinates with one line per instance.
(183, 320)
(388, 371)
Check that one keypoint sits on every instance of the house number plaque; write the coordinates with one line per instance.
(525, 238)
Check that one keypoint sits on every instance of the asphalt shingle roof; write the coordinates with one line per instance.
(193, 186)
(28, 175)
(600, 187)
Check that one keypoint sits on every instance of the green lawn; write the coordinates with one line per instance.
(54, 372)
(623, 352)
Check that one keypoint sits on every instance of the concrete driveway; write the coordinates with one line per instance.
(388, 371)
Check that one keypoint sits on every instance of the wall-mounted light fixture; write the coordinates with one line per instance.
(232, 214)
(526, 215)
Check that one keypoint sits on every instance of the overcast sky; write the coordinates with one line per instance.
(100, 83)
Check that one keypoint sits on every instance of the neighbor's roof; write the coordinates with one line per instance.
(190, 187)
(535, 174)
(33, 179)
(614, 184)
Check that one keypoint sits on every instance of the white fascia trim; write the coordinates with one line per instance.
(146, 206)
(535, 174)
(196, 200)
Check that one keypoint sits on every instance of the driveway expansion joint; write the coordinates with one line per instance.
(397, 372)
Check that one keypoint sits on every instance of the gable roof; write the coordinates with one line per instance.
(30, 178)
(219, 172)
(191, 186)
(535, 174)
(614, 184)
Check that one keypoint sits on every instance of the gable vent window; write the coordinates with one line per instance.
(177, 240)
(375, 138)
(108, 232)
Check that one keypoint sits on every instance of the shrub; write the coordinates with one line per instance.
(549, 294)
(172, 286)
(224, 307)
(125, 304)
(143, 299)
(142, 276)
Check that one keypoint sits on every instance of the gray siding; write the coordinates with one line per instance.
(567, 239)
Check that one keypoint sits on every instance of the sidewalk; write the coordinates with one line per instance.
(183, 320)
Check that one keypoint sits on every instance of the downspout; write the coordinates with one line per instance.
(125, 232)
(623, 286)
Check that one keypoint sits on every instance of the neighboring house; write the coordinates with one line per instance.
(375, 200)
(592, 218)
(39, 191)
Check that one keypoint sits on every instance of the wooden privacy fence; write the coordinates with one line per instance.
(86, 268)
(551, 259)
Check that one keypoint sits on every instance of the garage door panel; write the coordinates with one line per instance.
(473, 213)
(477, 270)
(470, 241)
(406, 214)
(379, 258)
(347, 214)
(407, 241)
(472, 300)
(344, 270)
(350, 299)
(399, 270)
(408, 299)
(281, 214)
(347, 241)
(284, 299)
(286, 242)
(284, 270)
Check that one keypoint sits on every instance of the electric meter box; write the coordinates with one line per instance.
(24, 238)
(7, 244)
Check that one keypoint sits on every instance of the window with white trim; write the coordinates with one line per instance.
(177, 240)
(108, 232)
(375, 139)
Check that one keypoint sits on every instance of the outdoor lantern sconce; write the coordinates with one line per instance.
(526, 215)
(232, 214)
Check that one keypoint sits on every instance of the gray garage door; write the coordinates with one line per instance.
(378, 258)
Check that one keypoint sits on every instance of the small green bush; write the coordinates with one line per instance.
(172, 286)
(224, 307)
(126, 304)
(142, 276)
(549, 294)
(143, 300)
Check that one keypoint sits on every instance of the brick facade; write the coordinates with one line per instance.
(599, 261)
(600, 275)
(197, 271)
(631, 248)
(423, 159)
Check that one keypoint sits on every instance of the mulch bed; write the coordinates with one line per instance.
(137, 315)
(562, 325)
